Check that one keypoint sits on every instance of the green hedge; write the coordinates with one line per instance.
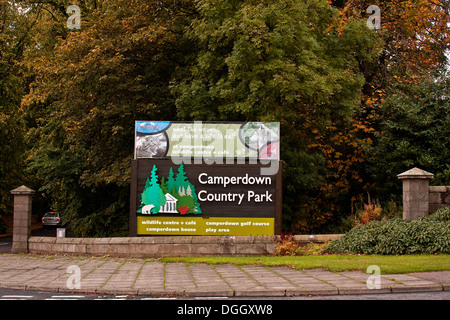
(396, 236)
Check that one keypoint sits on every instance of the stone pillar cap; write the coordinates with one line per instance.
(415, 173)
(23, 190)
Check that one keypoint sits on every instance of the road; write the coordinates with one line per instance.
(5, 244)
(12, 294)
(105, 306)
(6, 241)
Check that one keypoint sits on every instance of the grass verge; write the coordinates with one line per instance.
(387, 264)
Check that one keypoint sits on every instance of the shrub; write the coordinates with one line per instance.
(370, 212)
(441, 215)
(396, 236)
(312, 249)
(287, 246)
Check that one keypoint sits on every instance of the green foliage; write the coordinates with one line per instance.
(281, 61)
(88, 87)
(187, 201)
(396, 236)
(289, 247)
(69, 99)
(415, 132)
(441, 215)
(269, 60)
(153, 193)
(185, 191)
(11, 90)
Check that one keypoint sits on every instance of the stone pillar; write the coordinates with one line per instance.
(22, 219)
(415, 193)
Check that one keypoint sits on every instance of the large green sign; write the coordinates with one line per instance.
(196, 178)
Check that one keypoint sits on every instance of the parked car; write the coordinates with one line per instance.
(51, 219)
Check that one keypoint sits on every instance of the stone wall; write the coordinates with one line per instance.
(167, 246)
(155, 247)
(439, 197)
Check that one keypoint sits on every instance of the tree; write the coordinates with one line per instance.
(286, 61)
(181, 179)
(171, 182)
(415, 38)
(13, 31)
(316, 69)
(186, 201)
(88, 87)
(186, 189)
(189, 191)
(153, 194)
(415, 35)
(164, 186)
(415, 124)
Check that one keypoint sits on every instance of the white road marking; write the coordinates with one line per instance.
(65, 297)
(210, 298)
(158, 298)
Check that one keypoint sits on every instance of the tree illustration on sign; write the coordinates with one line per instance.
(186, 193)
(171, 182)
(174, 195)
(152, 198)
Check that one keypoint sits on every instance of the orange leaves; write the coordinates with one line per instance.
(370, 211)
(344, 147)
(416, 32)
(363, 127)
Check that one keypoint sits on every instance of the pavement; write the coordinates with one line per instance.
(150, 277)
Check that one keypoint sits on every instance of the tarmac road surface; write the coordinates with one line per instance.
(5, 244)
(14, 294)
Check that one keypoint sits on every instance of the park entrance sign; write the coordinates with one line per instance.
(193, 178)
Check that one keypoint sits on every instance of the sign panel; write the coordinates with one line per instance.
(203, 199)
(165, 139)
(173, 195)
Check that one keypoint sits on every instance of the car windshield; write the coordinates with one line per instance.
(51, 214)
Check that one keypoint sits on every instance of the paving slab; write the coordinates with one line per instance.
(156, 278)
(150, 277)
(441, 277)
